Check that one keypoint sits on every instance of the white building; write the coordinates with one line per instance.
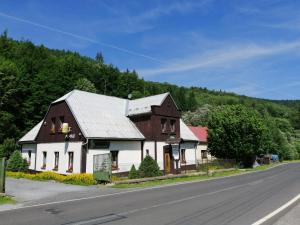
(127, 129)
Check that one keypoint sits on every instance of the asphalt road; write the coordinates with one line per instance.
(235, 200)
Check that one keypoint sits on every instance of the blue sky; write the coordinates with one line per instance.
(246, 47)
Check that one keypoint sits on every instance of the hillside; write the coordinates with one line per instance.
(33, 76)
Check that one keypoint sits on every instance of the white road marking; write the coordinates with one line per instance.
(134, 190)
(269, 216)
(119, 215)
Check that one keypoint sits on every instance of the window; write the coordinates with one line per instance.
(61, 121)
(70, 164)
(52, 131)
(147, 151)
(98, 144)
(114, 160)
(182, 156)
(204, 154)
(56, 159)
(44, 160)
(29, 158)
(173, 126)
(163, 123)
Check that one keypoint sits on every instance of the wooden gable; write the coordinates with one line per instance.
(57, 112)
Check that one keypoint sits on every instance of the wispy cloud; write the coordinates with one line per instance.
(129, 21)
(222, 58)
(81, 37)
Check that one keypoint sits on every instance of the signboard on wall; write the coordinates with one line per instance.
(175, 151)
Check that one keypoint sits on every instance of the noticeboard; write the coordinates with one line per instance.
(102, 167)
(175, 151)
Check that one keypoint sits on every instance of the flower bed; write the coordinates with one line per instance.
(77, 179)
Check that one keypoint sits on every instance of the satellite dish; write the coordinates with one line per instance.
(129, 96)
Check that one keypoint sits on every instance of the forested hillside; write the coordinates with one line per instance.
(31, 77)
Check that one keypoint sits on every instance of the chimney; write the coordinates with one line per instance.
(127, 104)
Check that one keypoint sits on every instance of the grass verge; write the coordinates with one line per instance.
(6, 200)
(198, 177)
(176, 180)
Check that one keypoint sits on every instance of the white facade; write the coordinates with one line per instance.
(129, 153)
(202, 147)
(190, 152)
(63, 163)
(29, 153)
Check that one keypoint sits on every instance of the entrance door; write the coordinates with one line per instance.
(168, 160)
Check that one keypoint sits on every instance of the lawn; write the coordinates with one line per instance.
(6, 200)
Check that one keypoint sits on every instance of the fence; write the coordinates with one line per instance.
(2, 175)
(215, 164)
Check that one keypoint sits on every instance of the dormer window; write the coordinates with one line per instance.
(173, 126)
(52, 131)
(163, 123)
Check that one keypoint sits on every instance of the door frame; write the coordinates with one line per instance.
(168, 150)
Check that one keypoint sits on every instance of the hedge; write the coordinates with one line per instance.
(77, 179)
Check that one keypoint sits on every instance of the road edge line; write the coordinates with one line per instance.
(132, 190)
(273, 216)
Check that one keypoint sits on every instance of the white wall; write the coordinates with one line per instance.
(63, 148)
(25, 149)
(129, 154)
(190, 152)
(160, 154)
(201, 147)
(150, 145)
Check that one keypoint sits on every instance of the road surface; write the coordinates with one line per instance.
(236, 200)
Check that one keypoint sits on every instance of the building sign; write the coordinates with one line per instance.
(175, 151)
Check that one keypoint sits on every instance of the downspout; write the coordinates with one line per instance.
(87, 141)
(196, 161)
(83, 144)
(35, 156)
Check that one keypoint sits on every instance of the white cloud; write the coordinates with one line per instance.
(222, 58)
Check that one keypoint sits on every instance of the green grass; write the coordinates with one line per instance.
(199, 177)
(6, 200)
(176, 180)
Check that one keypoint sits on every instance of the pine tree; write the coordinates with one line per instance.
(16, 163)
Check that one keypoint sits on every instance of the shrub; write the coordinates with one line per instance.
(77, 179)
(80, 179)
(7, 148)
(149, 168)
(133, 173)
(16, 163)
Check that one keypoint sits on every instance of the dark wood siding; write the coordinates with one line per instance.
(56, 111)
(150, 125)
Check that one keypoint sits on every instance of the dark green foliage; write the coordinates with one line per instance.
(133, 173)
(16, 163)
(31, 77)
(149, 168)
(7, 148)
(236, 132)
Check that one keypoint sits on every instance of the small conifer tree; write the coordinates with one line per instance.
(149, 168)
(133, 173)
(16, 163)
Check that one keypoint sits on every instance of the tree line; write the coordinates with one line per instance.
(32, 76)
